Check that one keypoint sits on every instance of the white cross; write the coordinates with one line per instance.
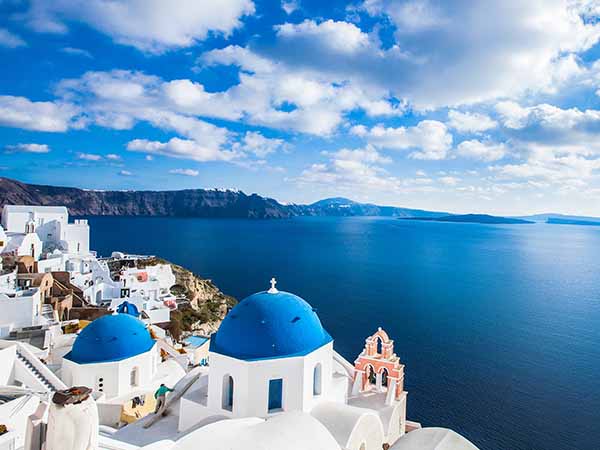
(273, 289)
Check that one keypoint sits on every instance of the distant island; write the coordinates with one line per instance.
(472, 218)
(558, 221)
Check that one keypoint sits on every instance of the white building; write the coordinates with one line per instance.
(51, 224)
(113, 355)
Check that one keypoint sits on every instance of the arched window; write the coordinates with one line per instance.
(133, 377)
(228, 393)
(384, 377)
(379, 346)
(33, 250)
(317, 383)
(275, 394)
(371, 375)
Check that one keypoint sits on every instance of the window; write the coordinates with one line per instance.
(317, 380)
(379, 346)
(275, 394)
(384, 377)
(228, 393)
(133, 378)
(371, 374)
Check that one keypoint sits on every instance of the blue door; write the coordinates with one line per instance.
(275, 394)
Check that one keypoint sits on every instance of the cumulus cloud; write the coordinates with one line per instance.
(182, 149)
(29, 148)
(289, 6)
(89, 156)
(113, 157)
(10, 40)
(149, 25)
(186, 172)
(429, 139)
(257, 144)
(274, 94)
(20, 112)
(350, 169)
(125, 173)
(483, 151)
(528, 46)
(466, 122)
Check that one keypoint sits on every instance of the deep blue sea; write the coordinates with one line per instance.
(498, 325)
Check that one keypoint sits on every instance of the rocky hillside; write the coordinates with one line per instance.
(209, 203)
(206, 307)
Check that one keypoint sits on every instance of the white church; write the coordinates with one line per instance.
(274, 381)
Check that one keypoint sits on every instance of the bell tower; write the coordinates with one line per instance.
(378, 369)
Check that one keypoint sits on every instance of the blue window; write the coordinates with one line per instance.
(275, 394)
(227, 393)
(317, 380)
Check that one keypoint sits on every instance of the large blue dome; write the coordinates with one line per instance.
(269, 325)
(111, 338)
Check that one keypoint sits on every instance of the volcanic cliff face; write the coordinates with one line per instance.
(209, 203)
(185, 203)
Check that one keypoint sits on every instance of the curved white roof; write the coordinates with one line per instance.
(289, 431)
(433, 439)
(342, 420)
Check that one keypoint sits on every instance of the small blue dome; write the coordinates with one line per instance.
(269, 325)
(111, 338)
(128, 308)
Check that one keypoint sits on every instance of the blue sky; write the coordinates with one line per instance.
(466, 106)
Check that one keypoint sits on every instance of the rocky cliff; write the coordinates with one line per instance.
(184, 203)
(206, 305)
(208, 203)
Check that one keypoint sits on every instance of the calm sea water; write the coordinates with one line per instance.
(498, 325)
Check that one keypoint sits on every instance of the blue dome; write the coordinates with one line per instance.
(111, 338)
(269, 325)
(128, 308)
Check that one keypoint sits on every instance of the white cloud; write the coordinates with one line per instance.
(483, 151)
(342, 37)
(125, 173)
(527, 47)
(470, 122)
(89, 156)
(449, 181)
(289, 6)
(273, 94)
(429, 139)
(20, 112)
(29, 148)
(351, 169)
(10, 40)
(113, 157)
(149, 25)
(255, 143)
(76, 51)
(186, 172)
(182, 149)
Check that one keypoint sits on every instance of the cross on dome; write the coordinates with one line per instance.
(273, 289)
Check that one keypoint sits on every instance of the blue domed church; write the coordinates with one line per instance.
(114, 354)
(272, 357)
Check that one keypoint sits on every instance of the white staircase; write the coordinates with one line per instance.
(37, 372)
